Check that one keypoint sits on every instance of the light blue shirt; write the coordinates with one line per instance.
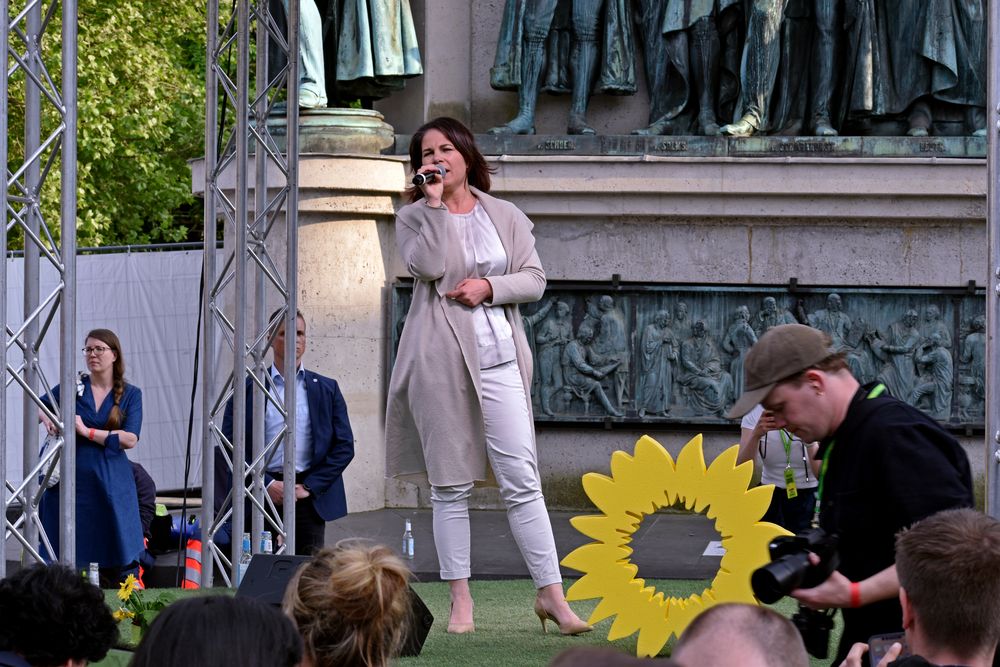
(274, 422)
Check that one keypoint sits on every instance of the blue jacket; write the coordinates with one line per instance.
(11, 659)
(333, 446)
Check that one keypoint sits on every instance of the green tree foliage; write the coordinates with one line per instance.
(142, 109)
(141, 114)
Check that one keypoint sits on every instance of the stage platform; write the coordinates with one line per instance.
(668, 545)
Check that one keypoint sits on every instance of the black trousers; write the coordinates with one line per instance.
(310, 528)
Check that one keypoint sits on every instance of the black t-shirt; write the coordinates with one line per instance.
(890, 465)
(916, 661)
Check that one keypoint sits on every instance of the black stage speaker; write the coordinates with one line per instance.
(268, 575)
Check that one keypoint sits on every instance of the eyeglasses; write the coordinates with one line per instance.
(98, 350)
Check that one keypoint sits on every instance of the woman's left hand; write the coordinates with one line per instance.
(471, 292)
(81, 428)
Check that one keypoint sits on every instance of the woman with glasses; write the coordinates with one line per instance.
(108, 420)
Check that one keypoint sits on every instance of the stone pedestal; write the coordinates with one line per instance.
(336, 131)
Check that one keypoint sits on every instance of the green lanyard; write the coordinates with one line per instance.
(874, 393)
(787, 442)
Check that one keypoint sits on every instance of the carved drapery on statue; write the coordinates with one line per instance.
(533, 37)
(818, 67)
(617, 63)
(369, 47)
(655, 353)
(700, 45)
(907, 54)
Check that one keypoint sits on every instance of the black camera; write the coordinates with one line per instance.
(814, 625)
(790, 567)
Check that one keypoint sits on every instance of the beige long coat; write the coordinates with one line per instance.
(434, 418)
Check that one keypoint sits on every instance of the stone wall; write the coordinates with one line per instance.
(824, 222)
(729, 221)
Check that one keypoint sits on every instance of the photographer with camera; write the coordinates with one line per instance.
(885, 465)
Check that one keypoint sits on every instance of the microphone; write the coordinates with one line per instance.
(420, 179)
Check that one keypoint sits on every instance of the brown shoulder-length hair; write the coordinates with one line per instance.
(463, 141)
(108, 337)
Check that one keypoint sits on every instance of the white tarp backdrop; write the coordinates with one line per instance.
(151, 300)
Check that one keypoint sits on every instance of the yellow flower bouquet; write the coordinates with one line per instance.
(135, 607)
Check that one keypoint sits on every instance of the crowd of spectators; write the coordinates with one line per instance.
(350, 605)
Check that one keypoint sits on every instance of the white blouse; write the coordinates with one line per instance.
(485, 256)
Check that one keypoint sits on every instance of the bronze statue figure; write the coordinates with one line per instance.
(601, 34)
(658, 354)
(581, 377)
(352, 49)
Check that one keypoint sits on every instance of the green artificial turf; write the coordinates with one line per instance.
(508, 634)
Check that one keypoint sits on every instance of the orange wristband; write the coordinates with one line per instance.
(90, 436)
(855, 594)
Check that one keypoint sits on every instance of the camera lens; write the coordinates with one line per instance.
(779, 578)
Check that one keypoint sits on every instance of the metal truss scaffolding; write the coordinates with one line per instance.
(241, 96)
(993, 293)
(41, 112)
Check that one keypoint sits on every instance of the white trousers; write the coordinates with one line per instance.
(510, 451)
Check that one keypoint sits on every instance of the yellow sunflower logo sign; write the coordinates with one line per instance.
(639, 485)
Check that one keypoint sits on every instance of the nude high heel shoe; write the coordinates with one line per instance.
(460, 628)
(577, 627)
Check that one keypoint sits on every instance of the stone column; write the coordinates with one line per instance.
(345, 245)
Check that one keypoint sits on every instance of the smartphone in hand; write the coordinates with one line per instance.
(878, 645)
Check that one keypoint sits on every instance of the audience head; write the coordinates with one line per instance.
(351, 604)
(52, 616)
(753, 637)
(947, 566)
(219, 630)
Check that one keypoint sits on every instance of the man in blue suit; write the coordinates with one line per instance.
(324, 444)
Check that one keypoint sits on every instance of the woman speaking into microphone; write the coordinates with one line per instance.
(459, 399)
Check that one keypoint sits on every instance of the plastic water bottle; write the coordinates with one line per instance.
(241, 568)
(408, 541)
(94, 574)
(265, 542)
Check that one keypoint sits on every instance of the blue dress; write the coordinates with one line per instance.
(108, 529)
